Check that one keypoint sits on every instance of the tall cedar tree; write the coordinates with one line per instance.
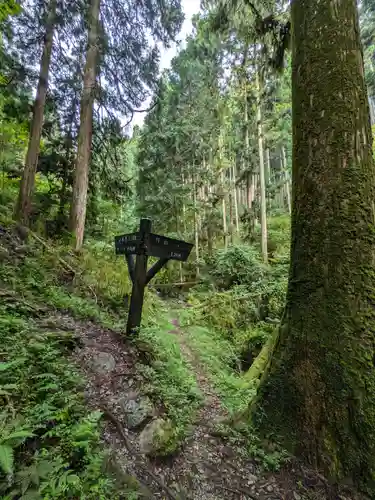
(23, 207)
(120, 79)
(319, 389)
(81, 174)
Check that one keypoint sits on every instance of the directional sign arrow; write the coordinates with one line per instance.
(168, 248)
(127, 243)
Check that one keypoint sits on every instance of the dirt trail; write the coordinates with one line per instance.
(205, 468)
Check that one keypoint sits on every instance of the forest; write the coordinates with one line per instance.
(252, 373)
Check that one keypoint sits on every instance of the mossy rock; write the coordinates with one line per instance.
(158, 438)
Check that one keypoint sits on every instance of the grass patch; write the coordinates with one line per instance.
(170, 379)
(217, 355)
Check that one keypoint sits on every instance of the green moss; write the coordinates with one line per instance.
(259, 365)
(318, 397)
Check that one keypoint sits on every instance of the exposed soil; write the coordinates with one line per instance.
(206, 467)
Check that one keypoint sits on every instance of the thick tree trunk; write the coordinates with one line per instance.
(262, 180)
(26, 191)
(318, 392)
(81, 175)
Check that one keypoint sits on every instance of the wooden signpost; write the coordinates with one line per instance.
(145, 244)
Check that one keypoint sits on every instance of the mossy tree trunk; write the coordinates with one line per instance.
(318, 391)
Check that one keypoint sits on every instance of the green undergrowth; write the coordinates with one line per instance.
(49, 441)
(217, 355)
(171, 381)
(241, 435)
(43, 397)
(91, 285)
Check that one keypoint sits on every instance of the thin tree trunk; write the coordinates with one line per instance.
(268, 167)
(231, 227)
(224, 209)
(26, 191)
(235, 197)
(287, 183)
(262, 182)
(268, 174)
(209, 225)
(196, 227)
(317, 395)
(249, 178)
(281, 200)
(81, 177)
(249, 196)
(183, 206)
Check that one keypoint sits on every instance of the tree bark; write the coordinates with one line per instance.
(249, 178)
(81, 175)
(224, 210)
(318, 392)
(196, 227)
(268, 174)
(235, 199)
(287, 183)
(262, 181)
(26, 191)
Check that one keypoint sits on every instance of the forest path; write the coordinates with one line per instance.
(205, 467)
(212, 409)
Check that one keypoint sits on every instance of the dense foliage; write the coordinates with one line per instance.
(211, 164)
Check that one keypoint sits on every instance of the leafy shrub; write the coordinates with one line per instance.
(237, 265)
(279, 234)
(218, 357)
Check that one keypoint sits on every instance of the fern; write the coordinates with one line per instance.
(6, 458)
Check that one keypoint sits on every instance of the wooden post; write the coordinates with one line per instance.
(144, 244)
(131, 266)
(155, 269)
(138, 291)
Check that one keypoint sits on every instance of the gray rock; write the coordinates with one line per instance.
(269, 488)
(103, 363)
(137, 410)
(251, 479)
(157, 438)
